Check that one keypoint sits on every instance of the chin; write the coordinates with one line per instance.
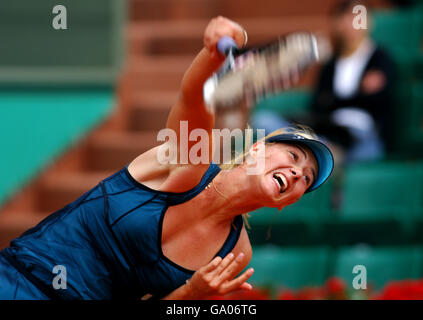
(295, 198)
(289, 198)
(266, 194)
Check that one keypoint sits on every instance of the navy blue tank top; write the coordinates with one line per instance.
(109, 241)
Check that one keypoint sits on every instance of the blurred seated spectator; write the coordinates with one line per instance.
(352, 99)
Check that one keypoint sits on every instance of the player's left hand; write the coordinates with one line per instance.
(217, 277)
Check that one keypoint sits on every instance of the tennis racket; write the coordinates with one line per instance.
(251, 74)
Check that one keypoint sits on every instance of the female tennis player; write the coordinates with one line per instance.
(173, 231)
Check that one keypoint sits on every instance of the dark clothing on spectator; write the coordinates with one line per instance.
(379, 104)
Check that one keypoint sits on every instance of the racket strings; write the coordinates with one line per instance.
(257, 73)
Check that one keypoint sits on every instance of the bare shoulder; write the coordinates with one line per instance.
(148, 170)
(244, 245)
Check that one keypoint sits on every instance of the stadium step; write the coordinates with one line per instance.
(165, 9)
(13, 224)
(185, 37)
(149, 110)
(112, 151)
(56, 191)
(141, 10)
(155, 74)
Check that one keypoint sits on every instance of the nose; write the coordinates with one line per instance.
(296, 173)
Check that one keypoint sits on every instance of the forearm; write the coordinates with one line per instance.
(199, 71)
(182, 293)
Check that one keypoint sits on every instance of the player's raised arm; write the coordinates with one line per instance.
(190, 104)
(187, 114)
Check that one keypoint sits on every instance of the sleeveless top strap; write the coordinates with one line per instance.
(173, 198)
(238, 222)
(177, 198)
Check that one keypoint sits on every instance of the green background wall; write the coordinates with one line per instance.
(37, 125)
(55, 85)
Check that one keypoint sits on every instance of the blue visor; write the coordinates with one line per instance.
(322, 153)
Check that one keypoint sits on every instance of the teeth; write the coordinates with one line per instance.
(284, 182)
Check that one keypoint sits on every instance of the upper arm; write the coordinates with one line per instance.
(243, 245)
(190, 113)
(191, 123)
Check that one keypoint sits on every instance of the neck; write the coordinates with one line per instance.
(225, 198)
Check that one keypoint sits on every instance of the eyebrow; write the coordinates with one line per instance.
(304, 153)
(305, 156)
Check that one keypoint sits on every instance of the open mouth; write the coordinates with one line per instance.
(283, 184)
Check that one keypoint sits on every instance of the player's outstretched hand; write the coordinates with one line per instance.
(218, 277)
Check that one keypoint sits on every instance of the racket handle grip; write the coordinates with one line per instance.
(225, 44)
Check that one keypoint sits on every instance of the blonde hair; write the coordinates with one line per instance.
(298, 129)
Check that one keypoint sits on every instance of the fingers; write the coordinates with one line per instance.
(238, 283)
(246, 286)
(244, 38)
(212, 265)
(232, 269)
(221, 278)
(224, 264)
(217, 277)
(220, 27)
